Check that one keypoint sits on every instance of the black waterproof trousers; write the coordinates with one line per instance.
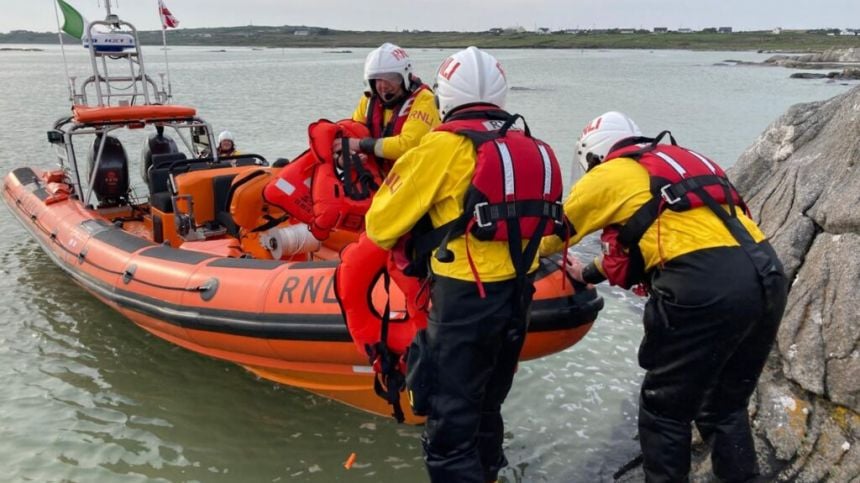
(474, 345)
(709, 326)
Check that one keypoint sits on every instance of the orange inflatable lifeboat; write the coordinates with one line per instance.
(279, 319)
(184, 256)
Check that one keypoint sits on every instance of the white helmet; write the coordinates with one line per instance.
(387, 59)
(225, 135)
(601, 134)
(470, 76)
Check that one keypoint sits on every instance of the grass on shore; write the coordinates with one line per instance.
(788, 41)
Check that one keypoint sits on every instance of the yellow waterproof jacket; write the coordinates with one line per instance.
(423, 116)
(432, 179)
(610, 194)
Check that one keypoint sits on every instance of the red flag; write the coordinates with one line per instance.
(167, 18)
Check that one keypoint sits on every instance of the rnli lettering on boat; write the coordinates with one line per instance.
(309, 289)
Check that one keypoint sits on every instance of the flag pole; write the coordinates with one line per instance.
(164, 48)
(63, 50)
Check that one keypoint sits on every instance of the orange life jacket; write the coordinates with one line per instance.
(376, 334)
(316, 191)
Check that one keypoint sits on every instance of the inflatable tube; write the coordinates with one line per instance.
(362, 266)
(95, 115)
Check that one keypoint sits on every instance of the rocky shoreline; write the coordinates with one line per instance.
(801, 179)
(846, 59)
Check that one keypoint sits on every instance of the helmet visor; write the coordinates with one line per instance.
(390, 77)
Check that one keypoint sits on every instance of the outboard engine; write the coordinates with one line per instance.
(157, 144)
(110, 183)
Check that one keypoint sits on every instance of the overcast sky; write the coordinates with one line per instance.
(463, 15)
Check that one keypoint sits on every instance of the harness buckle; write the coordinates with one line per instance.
(558, 217)
(479, 220)
(667, 197)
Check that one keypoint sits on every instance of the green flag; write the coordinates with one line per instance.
(73, 23)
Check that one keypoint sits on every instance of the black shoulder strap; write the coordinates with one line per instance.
(644, 217)
(363, 185)
(649, 144)
(765, 265)
(480, 137)
(369, 119)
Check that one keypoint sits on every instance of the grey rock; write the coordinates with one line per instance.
(807, 75)
(829, 59)
(802, 181)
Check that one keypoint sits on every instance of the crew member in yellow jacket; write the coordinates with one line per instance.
(397, 108)
(470, 348)
(674, 226)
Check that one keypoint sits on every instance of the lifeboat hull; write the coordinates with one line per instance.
(280, 320)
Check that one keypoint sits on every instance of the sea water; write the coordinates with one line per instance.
(87, 396)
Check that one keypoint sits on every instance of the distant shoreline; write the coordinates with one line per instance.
(19, 49)
(314, 37)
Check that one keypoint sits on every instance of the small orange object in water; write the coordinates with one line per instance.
(349, 461)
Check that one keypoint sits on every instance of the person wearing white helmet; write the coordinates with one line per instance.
(461, 368)
(226, 144)
(397, 108)
(674, 228)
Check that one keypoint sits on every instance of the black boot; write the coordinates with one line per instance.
(732, 449)
(665, 448)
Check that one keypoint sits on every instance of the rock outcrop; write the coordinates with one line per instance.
(828, 59)
(801, 179)
(850, 73)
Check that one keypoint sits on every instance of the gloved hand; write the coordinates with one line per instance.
(337, 144)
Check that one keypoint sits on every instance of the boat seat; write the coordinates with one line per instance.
(159, 176)
(221, 208)
(209, 188)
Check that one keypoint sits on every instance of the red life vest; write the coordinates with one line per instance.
(515, 192)
(681, 179)
(362, 264)
(375, 115)
(315, 191)
(375, 333)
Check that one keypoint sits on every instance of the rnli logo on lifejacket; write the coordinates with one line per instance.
(592, 126)
(493, 125)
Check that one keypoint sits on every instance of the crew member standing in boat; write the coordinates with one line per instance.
(398, 108)
(674, 225)
(481, 285)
